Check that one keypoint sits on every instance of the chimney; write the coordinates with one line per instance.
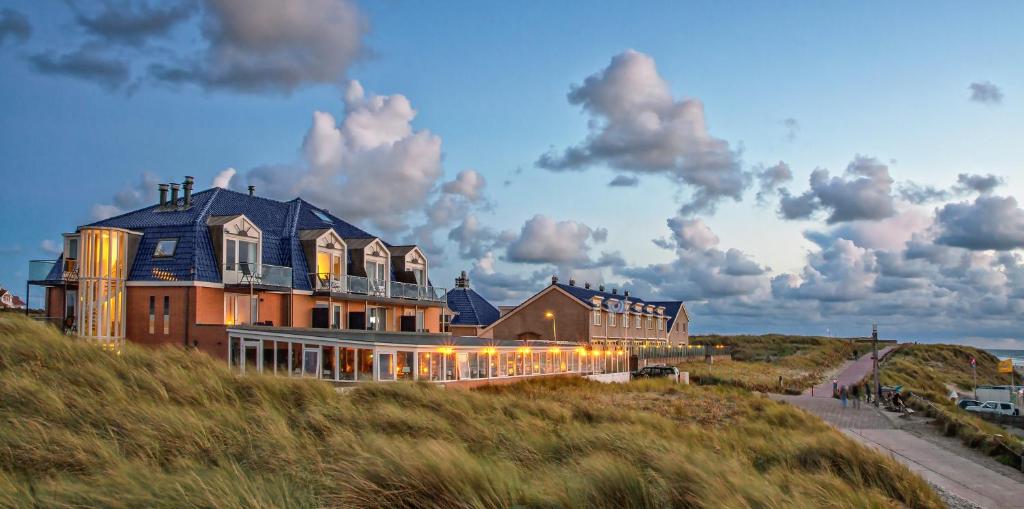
(600, 288)
(572, 282)
(163, 194)
(462, 281)
(174, 195)
(586, 285)
(252, 190)
(615, 291)
(625, 292)
(188, 190)
(554, 280)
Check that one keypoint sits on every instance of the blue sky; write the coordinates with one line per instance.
(490, 82)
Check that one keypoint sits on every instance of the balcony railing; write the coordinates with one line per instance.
(39, 270)
(417, 292)
(257, 275)
(375, 287)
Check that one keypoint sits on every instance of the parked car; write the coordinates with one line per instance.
(657, 372)
(964, 403)
(995, 407)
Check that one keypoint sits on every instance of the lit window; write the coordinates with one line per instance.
(167, 315)
(165, 248)
(597, 317)
(323, 217)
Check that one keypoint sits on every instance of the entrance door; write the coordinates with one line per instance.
(311, 362)
(252, 356)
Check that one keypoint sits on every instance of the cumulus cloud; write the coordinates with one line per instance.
(863, 192)
(700, 270)
(544, 240)
(624, 181)
(770, 179)
(636, 126)
(132, 196)
(891, 233)
(983, 184)
(86, 63)
(251, 46)
(14, 26)
(468, 183)
(985, 92)
(990, 222)
(352, 166)
(841, 272)
(223, 179)
(919, 194)
(267, 45)
(131, 22)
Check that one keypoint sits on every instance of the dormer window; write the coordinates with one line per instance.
(330, 259)
(165, 248)
(241, 247)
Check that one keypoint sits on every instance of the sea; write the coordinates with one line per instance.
(1016, 355)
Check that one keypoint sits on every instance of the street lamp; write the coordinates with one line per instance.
(554, 331)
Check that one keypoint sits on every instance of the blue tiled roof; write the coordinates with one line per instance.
(586, 296)
(471, 307)
(194, 257)
(671, 310)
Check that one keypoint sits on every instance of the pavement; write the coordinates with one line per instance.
(852, 374)
(951, 469)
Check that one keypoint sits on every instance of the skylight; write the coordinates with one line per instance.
(323, 217)
(165, 248)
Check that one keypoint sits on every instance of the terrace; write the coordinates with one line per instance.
(355, 356)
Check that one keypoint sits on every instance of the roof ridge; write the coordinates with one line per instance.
(469, 297)
(198, 225)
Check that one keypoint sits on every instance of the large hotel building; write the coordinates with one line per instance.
(288, 288)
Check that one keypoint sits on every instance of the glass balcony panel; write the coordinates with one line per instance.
(39, 270)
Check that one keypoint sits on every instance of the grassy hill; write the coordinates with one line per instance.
(82, 427)
(759, 361)
(925, 371)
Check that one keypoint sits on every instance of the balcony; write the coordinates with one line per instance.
(257, 276)
(39, 271)
(417, 292)
(341, 286)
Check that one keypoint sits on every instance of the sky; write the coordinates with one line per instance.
(793, 167)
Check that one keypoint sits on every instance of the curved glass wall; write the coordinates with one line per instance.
(103, 262)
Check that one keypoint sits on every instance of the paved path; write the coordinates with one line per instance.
(853, 373)
(943, 467)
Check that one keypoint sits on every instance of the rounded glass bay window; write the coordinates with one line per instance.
(103, 270)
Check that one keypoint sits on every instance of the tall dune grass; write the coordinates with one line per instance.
(81, 427)
(759, 361)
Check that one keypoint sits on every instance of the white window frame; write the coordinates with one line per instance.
(597, 317)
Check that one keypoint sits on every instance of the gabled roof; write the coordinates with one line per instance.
(672, 308)
(471, 307)
(194, 257)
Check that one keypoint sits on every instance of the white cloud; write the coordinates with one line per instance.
(371, 166)
(51, 247)
(544, 240)
(636, 126)
(223, 179)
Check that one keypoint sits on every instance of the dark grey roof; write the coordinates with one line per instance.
(471, 307)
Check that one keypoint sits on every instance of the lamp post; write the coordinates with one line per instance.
(554, 331)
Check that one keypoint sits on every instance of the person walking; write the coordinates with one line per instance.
(835, 387)
(844, 394)
(855, 395)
